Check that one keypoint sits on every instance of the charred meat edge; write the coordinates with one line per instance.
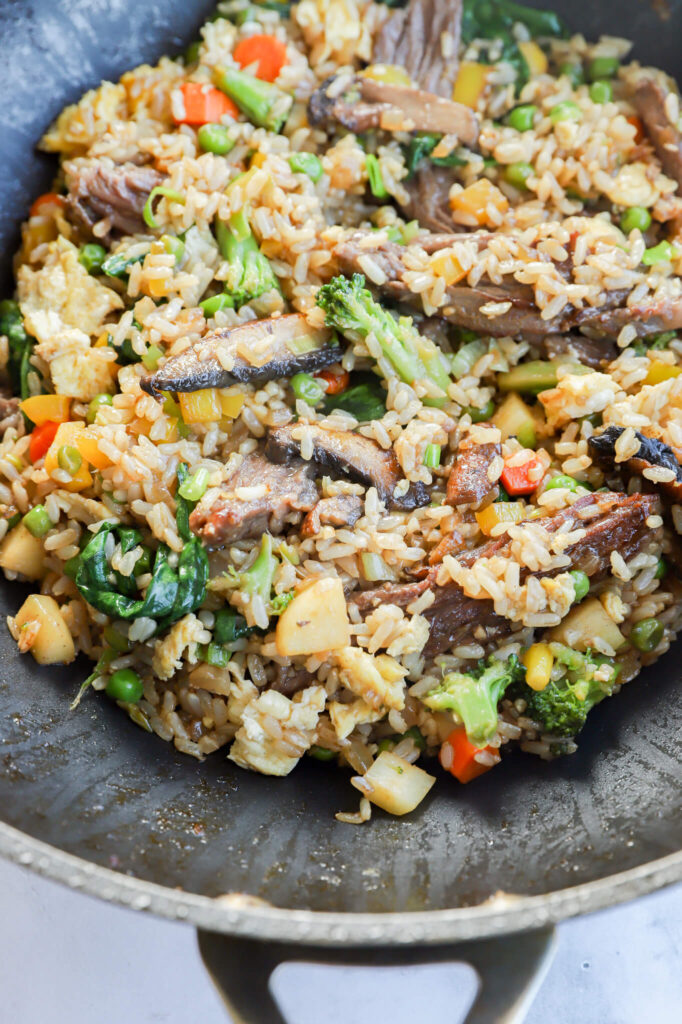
(200, 366)
(524, 319)
(117, 193)
(224, 518)
(652, 454)
(619, 525)
(351, 455)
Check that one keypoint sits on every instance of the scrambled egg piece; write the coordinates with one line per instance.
(81, 124)
(345, 717)
(168, 652)
(378, 680)
(578, 395)
(255, 747)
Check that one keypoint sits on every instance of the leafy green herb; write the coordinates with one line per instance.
(365, 398)
(118, 265)
(20, 346)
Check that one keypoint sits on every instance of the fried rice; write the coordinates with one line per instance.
(327, 433)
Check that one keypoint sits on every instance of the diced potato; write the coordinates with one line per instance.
(500, 512)
(394, 784)
(41, 408)
(21, 552)
(536, 58)
(584, 624)
(53, 644)
(200, 406)
(660, 371)
(539, 661)
(470, 206)
(515, 419)
(470, 83)
(315, 621)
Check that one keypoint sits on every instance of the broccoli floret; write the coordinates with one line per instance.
(258, 579)
(561, 709)
(474, 696)
(250, 273)
(351, 309)
(263, 103)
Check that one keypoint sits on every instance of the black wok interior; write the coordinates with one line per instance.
(92, 783)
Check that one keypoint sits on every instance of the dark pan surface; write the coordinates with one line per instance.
(91, 783)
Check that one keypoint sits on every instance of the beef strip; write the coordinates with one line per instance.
(451, 544)
(289, 679)
(275, 346)
(468, 483)
(523, 318)
(414, 38)
(429, 189)
(649, 100)
(351, 455)
(652, 454)
(100, 189)
(226, 517)
(364, 104)
(592, 352)
(339, 510)
(612, 522)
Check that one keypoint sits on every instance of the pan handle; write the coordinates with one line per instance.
(510, 970)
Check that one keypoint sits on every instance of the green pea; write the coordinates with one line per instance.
(322, 753)
(661, 569)
(37, 521)
(574, 71)
(601, 91)
(92, 256)
(194, 486)
(581, 583)
(603, 67)
(214, 138)
(211, 306)
(69, 459)
(521, 118)
(125, 685)
(480, 413)
(518, 173)
(174, 246)
(635, 217)
(97, 401)
(661, 253)
(646, 635)
(307, 388)
(306, 163)
(566, 111)
(569, 482)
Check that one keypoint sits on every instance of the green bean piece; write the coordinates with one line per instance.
(217, 302)
(125, 685)
(214, 138)
(306, 163)
(480, 413)
(214, 654)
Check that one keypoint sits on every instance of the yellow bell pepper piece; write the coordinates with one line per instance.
(68, 434)
(258, 159)
(447, 266)
(500, 512)
(470, 83)
(102, 341)
(231, 402)
(391, 74)
(658, 372)
(535, 57)
(157, 287)
(88, 445)
(539, 661)
(41, 408)
(200, 406)
(470, 206)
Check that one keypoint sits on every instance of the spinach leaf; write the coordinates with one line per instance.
(365, 399)
(20, 346)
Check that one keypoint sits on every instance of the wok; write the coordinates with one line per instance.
(89, 799)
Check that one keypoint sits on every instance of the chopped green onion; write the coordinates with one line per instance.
(37, 521)
(171, 408)
(432, 456)
(229, 626)
(521, 118)
(214, 654)
(661, 568)
(150, 360)
(581, 584)
(69, 459)
(306, 163)
(664, 252)
(307, 388)
(376, 182)
(468, 355)
(195, 485)
(387, 743)
(603, 67)
(211, 306)
(174, 246)
(569, 482)
(601, 92)
(635, 217)
(214, 138)
(116, 639)
(192, 52)
(92, 256)
(566, 111)
(481, 413)
(15, 461)
(95, 404)
(148, 211)
(374, 568)
(414, 734)
(289, 553)
(518, 173)
(125, 685)
(322, 753)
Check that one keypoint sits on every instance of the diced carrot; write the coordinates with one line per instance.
(458, 756)
(42, 202)
(41, 439)
(523, 479)
(268, 52)
(336, 381)
(637, 125)
(204, 104)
